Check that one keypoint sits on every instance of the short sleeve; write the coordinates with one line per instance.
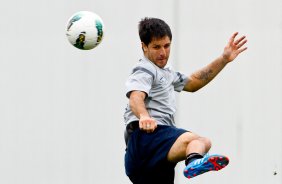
(179, 81)
(141, 79)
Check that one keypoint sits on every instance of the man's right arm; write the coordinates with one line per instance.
(137, 106)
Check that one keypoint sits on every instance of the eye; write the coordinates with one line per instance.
(167, 46)
(156, 47)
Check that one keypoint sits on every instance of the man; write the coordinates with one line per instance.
(154, 144)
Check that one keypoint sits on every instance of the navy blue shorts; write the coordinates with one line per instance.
(146, 155)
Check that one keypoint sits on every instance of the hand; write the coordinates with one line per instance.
(233, 48)
(147, 124)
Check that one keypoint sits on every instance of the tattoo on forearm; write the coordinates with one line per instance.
(205, 75)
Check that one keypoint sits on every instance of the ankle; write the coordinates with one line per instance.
(191, 157)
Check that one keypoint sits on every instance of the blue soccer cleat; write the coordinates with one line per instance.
(205, 164)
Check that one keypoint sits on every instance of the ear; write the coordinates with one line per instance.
(144, 47)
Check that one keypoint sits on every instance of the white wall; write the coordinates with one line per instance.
(61, 108)
(240, 111)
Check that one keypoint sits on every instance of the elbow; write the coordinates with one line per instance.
(131, 103)
(193, 85)
(191, 88)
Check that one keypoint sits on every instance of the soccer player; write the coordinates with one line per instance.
(154, 144)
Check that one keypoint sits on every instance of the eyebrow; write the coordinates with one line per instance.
(161, 44)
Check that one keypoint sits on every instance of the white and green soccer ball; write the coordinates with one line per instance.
(85, 30)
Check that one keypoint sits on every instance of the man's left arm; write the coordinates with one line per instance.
(202, 77)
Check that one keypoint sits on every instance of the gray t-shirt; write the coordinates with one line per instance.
(159, 84)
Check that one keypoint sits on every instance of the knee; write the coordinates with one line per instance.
(207, 142)
(188, 138)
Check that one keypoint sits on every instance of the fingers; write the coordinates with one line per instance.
(241, 43)
(149, 128)
(148, 125)
(243, 49)
(231, 40)
(238, 42)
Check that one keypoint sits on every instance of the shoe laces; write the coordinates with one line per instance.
(200, 160)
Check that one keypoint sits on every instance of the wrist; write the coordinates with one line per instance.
(224, 60)
(144, 115)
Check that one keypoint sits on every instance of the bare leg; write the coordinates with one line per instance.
(192, 143)
(188, 143)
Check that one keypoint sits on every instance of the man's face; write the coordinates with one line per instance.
(158, 51)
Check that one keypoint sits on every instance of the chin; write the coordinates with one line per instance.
(162, 64)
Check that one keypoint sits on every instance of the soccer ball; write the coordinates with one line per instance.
(85, 30)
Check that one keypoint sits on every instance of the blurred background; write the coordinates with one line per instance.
(61, 109)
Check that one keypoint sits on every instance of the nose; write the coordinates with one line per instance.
(162, 52)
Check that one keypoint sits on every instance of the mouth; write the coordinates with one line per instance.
(161, 62)
(162, 59)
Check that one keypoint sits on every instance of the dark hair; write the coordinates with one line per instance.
(150, 28)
